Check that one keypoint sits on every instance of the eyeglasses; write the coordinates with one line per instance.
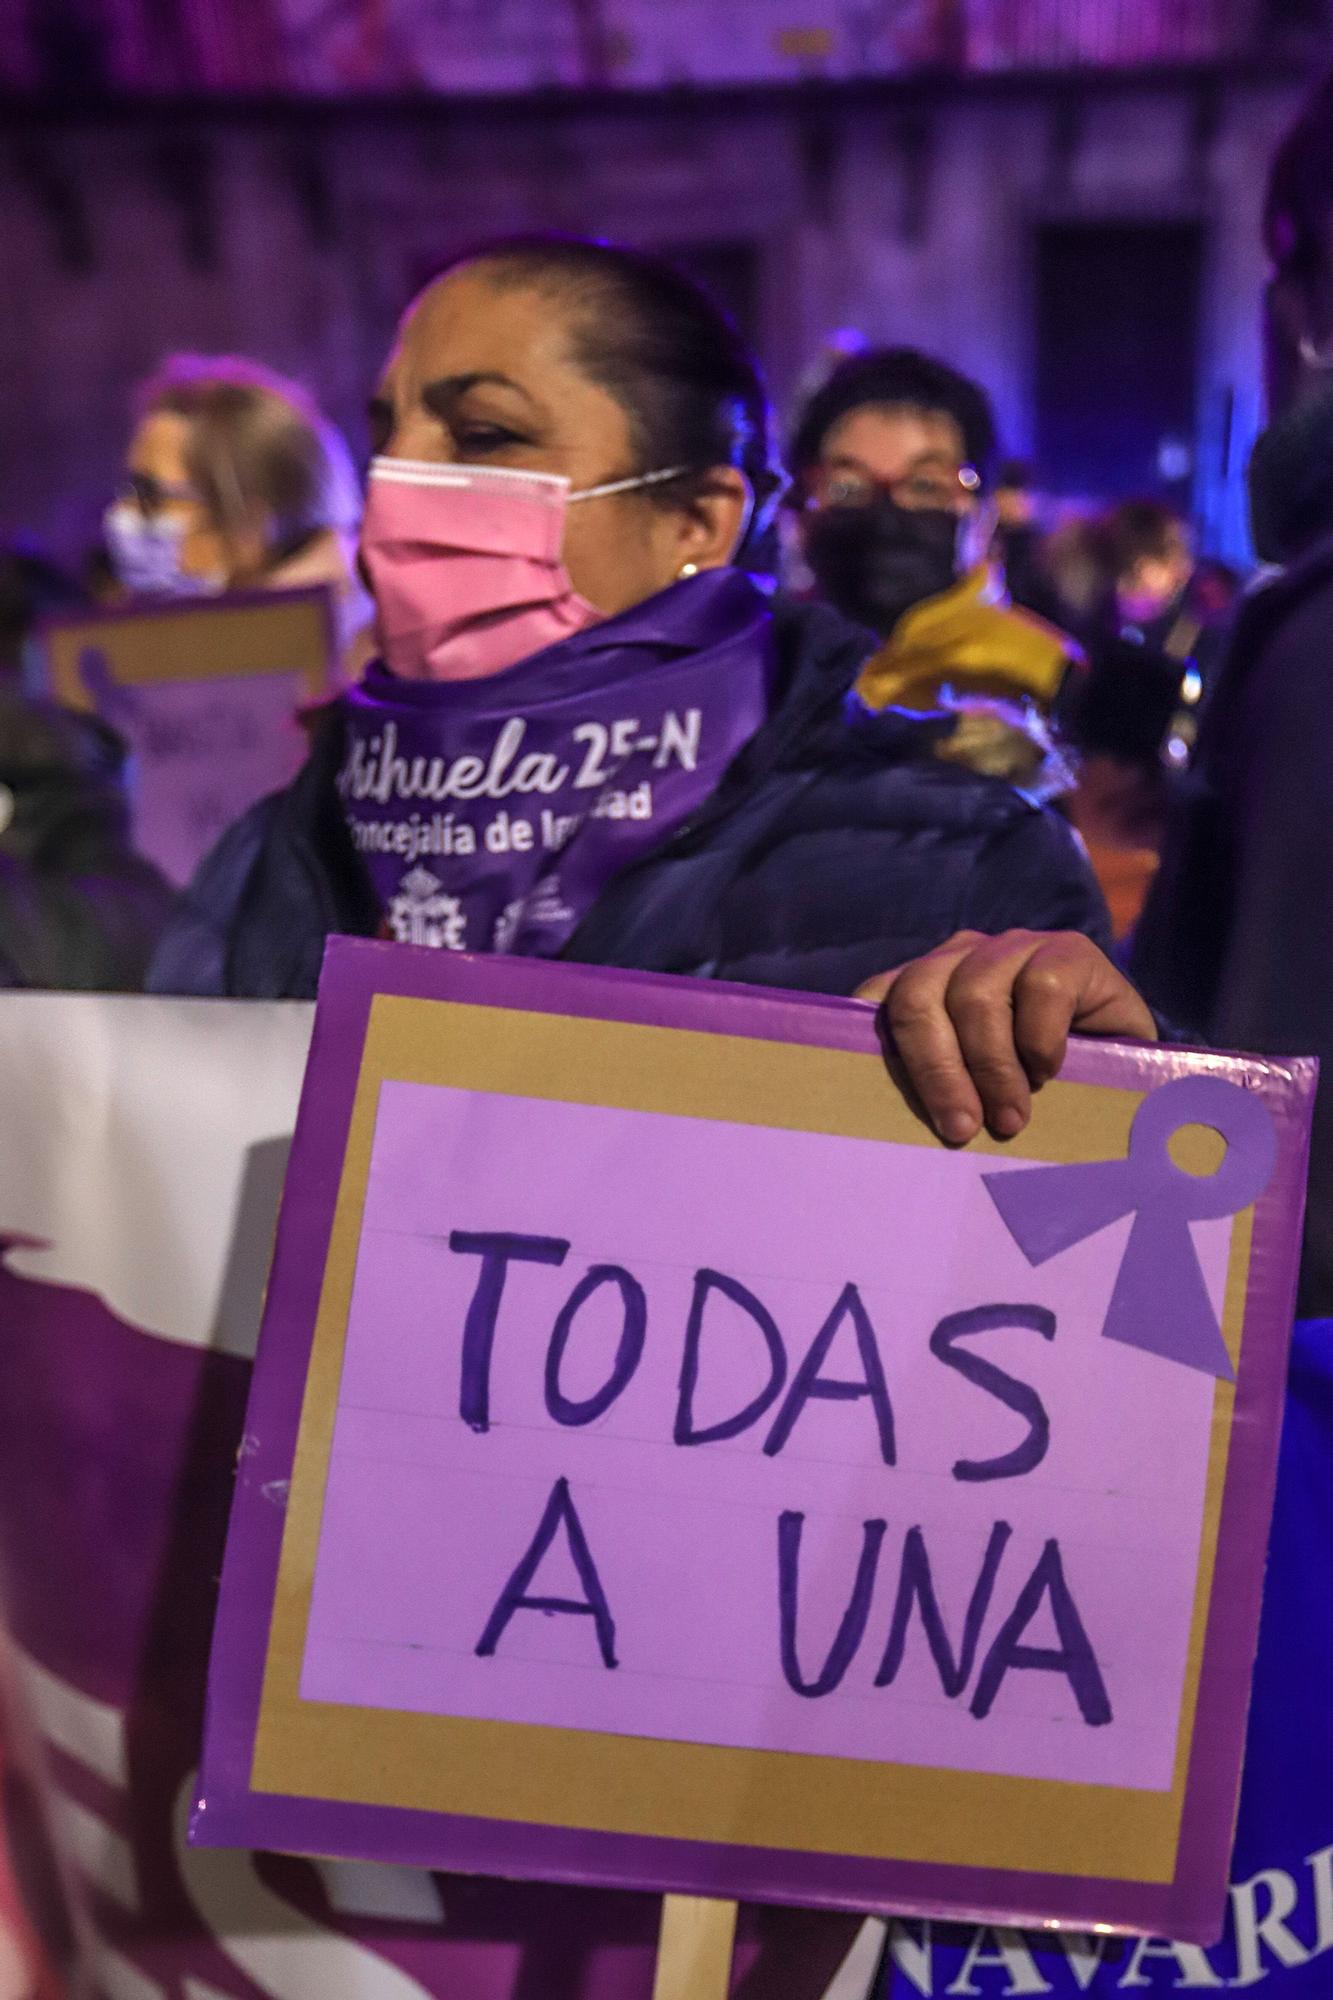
(153, 496)
(919, 490)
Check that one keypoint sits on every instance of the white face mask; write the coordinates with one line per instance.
(146, 555)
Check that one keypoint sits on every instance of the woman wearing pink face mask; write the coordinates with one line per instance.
(591, 734)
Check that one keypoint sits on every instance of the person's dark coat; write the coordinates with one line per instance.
(78, 908)
(837, 846)
(1236, 941)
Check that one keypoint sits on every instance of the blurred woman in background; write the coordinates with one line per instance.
(235, 481)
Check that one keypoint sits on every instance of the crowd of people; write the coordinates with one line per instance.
(866, 722)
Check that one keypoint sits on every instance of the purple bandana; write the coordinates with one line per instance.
(492, 813)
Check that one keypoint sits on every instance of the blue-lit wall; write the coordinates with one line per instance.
(911, 219)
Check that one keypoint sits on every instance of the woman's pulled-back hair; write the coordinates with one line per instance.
(668, 354)
(258, 448)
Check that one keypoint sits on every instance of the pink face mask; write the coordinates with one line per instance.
(466, 565)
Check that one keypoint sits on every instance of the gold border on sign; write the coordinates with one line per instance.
(525, 1772)
(285, 633)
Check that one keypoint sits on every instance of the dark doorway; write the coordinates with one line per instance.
(1118, 357)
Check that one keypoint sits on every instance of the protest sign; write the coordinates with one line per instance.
(206, 694)
(138, 1245)
(707, 1482)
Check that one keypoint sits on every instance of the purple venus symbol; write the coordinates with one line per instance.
(1159, 1301)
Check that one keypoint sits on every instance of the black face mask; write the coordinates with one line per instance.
(874, 563)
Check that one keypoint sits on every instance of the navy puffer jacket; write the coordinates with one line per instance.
(837, 846)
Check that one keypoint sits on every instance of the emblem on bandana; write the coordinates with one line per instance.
(506, 925)
(422, 913)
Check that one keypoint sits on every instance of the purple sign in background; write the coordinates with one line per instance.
(206, 694)
(203, 752)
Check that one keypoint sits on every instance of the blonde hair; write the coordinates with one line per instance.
(258, 448)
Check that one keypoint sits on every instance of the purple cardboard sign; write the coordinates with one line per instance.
(701, 1479)
(206, 694)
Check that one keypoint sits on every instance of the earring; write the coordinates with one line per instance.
(687, 569)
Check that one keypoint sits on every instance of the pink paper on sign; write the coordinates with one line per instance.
(426, 1518)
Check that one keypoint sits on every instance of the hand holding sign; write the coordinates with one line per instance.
(981, 1022)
